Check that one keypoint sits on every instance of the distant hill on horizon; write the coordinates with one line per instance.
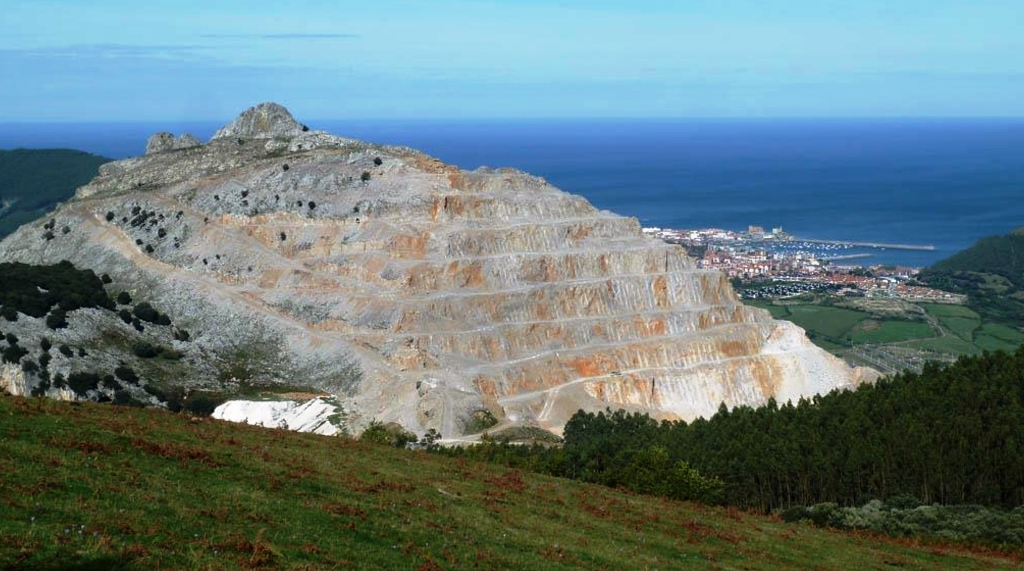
(991, 273)
(33, 181)
(1003, 255)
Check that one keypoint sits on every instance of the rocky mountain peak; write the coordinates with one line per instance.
(264, 121)
(164, 141)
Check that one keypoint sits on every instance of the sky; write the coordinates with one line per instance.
(188, 60)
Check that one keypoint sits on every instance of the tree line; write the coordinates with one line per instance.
(952, 435)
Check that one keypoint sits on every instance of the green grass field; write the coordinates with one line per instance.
(962, 327)
(995, 336)
(90, 486)
(890, 331)
(951, 330)
(941, 310)
(831, 322)
(950, 344)
(957, 319)
(777, 311)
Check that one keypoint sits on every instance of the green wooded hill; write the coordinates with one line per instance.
(33, 181)
(1002, 255)
(991, 273)
(88, 486)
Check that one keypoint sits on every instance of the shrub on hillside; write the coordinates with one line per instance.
(145, 312)
(35, 290)
(126, 374)
(145, 349)
(81, 382)
(57, 319)
(958, 523)
(390, 434)
(13, 354)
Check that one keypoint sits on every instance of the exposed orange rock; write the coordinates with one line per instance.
(414, 247)
(660, 290)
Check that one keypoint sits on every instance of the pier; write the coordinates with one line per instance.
(845, 257)
(878, 245)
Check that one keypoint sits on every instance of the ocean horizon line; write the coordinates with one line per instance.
(555, 119)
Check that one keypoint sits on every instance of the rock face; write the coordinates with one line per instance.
(161, 142)
(418, 292)
(265, 120)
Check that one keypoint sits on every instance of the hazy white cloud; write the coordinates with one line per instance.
(297, 36)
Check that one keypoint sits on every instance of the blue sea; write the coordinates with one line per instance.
(936, 182)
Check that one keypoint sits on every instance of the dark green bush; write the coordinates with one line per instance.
(13, 354)
(39, 390)
(124, 398)
(35, 290)
(480, 420)
(390, 434)
(144, 349)
(145, 312)
(81, 382)
(202, 404)
(57, 319)
(126, 374)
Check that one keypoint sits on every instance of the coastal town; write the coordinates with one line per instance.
(774, 264)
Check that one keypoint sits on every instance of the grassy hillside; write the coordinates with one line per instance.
(103, 487)
(33, 181)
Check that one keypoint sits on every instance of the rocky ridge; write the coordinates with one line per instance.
(163, 142)
(418, 292)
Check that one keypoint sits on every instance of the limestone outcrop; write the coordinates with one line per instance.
(417, 292)
(163, 141)
(264, 121)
